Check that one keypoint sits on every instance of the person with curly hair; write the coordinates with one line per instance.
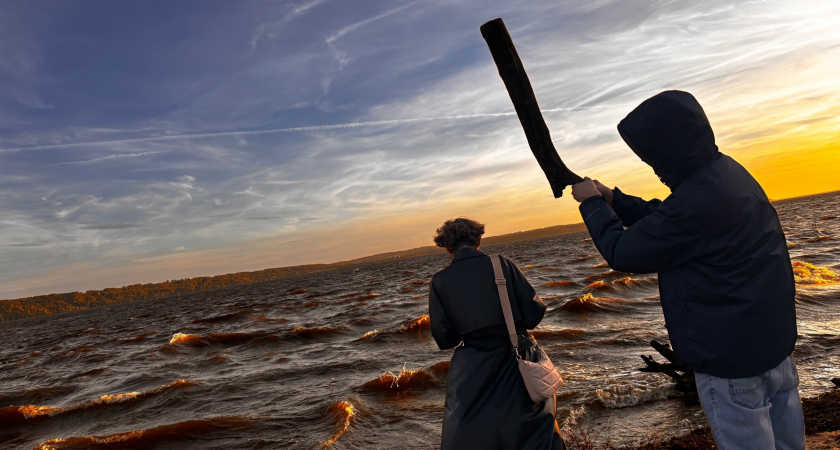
(487, 405)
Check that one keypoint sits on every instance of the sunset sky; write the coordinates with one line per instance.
(142, 141)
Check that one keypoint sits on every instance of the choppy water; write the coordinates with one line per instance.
(344, 359)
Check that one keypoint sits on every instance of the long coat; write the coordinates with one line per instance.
(725, 277)
(487, 404)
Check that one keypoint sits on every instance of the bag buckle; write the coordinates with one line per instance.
(501, 281)
(516, 352)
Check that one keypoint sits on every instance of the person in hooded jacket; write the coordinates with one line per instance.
(725, 277)
(487, 405)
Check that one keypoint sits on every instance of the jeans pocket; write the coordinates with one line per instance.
(747, 392)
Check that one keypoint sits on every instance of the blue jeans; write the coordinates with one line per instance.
(756, 413)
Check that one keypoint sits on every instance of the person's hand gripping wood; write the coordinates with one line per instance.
(585, 189)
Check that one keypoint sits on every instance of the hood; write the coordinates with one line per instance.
(670, 132)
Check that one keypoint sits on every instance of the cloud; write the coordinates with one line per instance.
(108, 226)
(362, 23)
(105, 158)
(228, 148)
(251, 133)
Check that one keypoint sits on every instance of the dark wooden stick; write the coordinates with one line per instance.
(665, 351)
(525, 102)
(655, 367)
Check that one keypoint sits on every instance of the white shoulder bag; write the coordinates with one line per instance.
(541, 378)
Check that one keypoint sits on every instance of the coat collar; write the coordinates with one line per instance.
(467, 252)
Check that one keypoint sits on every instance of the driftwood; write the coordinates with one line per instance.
(525, 102)
(684, 381)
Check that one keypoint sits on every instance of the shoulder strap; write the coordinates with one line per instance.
(501, 283)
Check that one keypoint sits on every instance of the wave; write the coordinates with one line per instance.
(625, 282)
(625, 394)
(807, 273)
(598, 285)
(316, 332)
(822, 238)
(557, 283)
(441, 367)
(138, 338)
(357, 297)
(414, 325)
(145, 438)
(264, 318)
(220, 318)
(182, 338)
(88, 373)
(405, 380)
(565, 333)
(605, 275)
(344, 412)
(19, 413)
(588, 302)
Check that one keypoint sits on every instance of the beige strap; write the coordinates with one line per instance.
(501, 283)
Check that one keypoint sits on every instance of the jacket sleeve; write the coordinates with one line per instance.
(445, 333)
(531, 308)
(631, 209)
(668, 238)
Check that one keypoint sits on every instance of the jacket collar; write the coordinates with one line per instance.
(467, 252)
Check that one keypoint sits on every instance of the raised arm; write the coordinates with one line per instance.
(665, 239)
(628, 208)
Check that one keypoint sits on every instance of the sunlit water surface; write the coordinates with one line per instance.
(344, 359)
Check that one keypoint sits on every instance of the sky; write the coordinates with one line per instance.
(142, 142)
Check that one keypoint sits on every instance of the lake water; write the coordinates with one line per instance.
(344, 359)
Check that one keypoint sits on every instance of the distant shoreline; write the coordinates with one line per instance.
(40, 305)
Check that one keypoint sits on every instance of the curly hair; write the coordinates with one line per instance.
(457, 233)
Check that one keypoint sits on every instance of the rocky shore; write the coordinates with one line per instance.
(822, 428)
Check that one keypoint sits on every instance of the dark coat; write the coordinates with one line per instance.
(487, 405)
(725, 278)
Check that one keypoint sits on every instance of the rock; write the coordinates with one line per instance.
(823, 441)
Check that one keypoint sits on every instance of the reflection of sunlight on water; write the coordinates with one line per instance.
(421, 323)
(30, 411)
(828, 328)
(807, 273)
(345, 412)
(179, 338)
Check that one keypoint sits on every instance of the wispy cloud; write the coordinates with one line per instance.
(266, 28)
(180, 137)
(347, 114)
(362, 23)
(104, 158)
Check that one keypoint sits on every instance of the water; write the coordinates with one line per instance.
(344, 359)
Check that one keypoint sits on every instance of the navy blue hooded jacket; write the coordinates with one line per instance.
(725, 278)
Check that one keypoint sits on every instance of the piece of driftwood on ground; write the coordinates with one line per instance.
(684, 381)
(525, 102)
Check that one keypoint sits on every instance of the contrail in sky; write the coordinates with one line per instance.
(276, 130)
